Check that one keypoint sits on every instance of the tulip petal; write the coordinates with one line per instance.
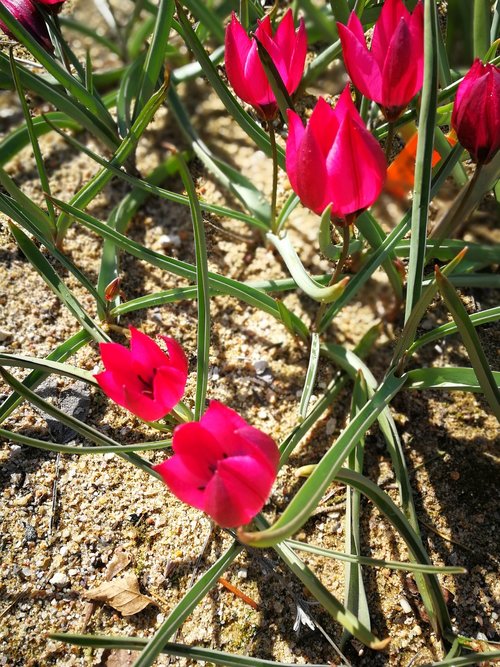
(238, 491)
(111, 386)
(182, 482)
(258, 91)
(168, 386)
(360, 64)
(222, 422)
(262, 445)
(199, 450)
(298, 59)
(295, 134)
(356, 169)
(116, 358)
(311, 173)
(237, 48)
(176, 354)
(140, 404)
(324, 124)
(392, 12)
(145, 351)
(399, 75)
(285, 37)
(416, 26)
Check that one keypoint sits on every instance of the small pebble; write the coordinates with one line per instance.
(405, 605)
(59, 579)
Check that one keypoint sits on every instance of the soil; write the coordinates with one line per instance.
(65, 517)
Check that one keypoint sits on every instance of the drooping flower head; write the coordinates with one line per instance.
(221, 465)
(392, 72)
(30, 18)
(334, 159)
(476, 113)
(144, 379)
(287, 49)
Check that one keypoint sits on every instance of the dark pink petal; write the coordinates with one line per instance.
(324, 124)
(30, 18)
(116, 358)
(464, 89)
(111, 387)
(259, 91)
(360, 64)
(176, 354)
(222, 422)
(417, 44)
(264, 27)
(356, 169)
(285, 37)
(145, 351)
(298, 59)
(345, 107)
(237, 48)
(142, 404)
(198, 449)
(295, 134)
(356, 27)
(168, 387)
(238, 491)
(392, 12)
(276, 56)
(311, 173)
(399, 75)
(261, 444)
(182, 482)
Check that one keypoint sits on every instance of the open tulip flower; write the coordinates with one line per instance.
(476, 113)
(221, 465)
(144, 379)
(287, 48)
(334, 160)
(391, 73)
(30, 18)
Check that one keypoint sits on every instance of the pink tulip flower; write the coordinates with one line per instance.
(476, 113)
(245, 72)
(221, 465)
(144, 379)
(52, 6)
(392, 72)
(30, 18)
(334, 159)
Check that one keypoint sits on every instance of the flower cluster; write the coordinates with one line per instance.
(221, 464)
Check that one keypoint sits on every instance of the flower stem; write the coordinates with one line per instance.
(244, 20)
(274, 194)
(389, 141)
(346, 238)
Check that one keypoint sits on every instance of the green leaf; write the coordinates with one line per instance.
(196, 653)
(423, 165)
(61, 353)
(186, 606)
(481, 27)
(307, 498)
(155, 55)
(59, 288)
(312, 288)
(312, 370)
(46, 365)
(203, 292)
(472, 659)
(449, 379)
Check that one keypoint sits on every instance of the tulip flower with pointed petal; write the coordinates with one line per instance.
(221, 465)
(392, 72)
(476, 113)
(334, 159)
(287, 49)
(144, 379)
(30, 18)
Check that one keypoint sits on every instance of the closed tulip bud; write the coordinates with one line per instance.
(334, 160)
(30, 18)
(287, 48)
(144, 379)
(476, 113)
(221, 465)
(391, 73)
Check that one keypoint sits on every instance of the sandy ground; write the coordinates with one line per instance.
(56, 547)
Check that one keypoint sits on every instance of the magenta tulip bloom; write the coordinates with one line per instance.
(30, 18)
(144, 379)
(476, 113)
(245, 72)
(334, 159)
(392, 72)
(221, 465)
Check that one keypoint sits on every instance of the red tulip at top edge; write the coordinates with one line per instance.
(287, 48)
(391, 73)
(334, 159)
(30, 18)
(221, 465)
(476, 113)
(144, 379)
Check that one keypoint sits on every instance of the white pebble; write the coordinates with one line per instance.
(405, 605)
(59, 579)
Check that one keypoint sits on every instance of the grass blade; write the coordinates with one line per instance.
(203, 292)
(449, 379)
(312, 370)
(47, 366)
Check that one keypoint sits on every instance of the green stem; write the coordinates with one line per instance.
(389, 141)
(244, 20)
(346, 237)
(274, 194)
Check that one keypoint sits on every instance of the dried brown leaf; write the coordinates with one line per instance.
(118, 562)
(122, 594)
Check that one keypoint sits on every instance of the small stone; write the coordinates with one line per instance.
(331, 425)
(405, 605)
(24, 500)
(243, 573)
(59, 579)
(169, 240)
(455, 475)
(260, 366)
